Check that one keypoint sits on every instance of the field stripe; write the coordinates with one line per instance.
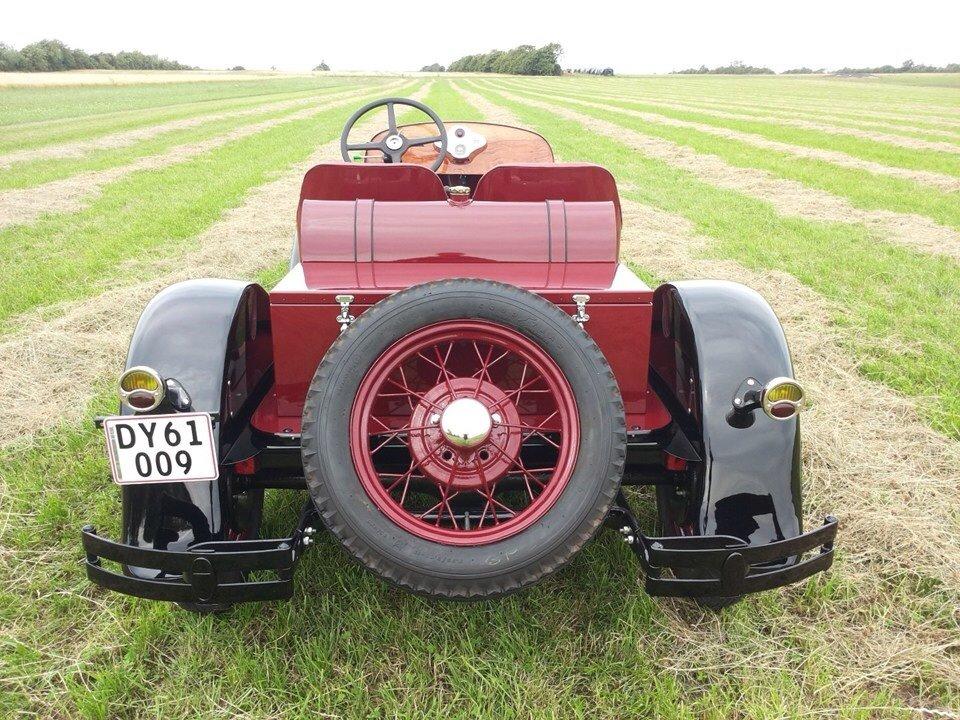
(864, 190)
(889, 138)
(828, 107)
(940, 181)
(71, 194)
(780, 113)
(897, 294)
(124, 138)
(787, 196)
(63, 257)
(50, 368)
(896, 471)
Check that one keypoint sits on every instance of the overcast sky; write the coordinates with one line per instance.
(631, 37)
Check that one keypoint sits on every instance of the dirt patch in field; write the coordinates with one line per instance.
(868, 457)
(946, 183)
(50, 368)
(73, 193)
(129, 137)
(788, 197)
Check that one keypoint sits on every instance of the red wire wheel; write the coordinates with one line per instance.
(463, 438)
(464, 432)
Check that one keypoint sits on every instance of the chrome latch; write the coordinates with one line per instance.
(344, 318)
(580, 317)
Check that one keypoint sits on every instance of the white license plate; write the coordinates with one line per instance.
(161, 448)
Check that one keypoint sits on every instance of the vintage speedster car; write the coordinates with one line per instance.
(462, 374)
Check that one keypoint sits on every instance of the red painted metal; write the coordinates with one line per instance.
(570, 182)
(370, 229)
(398, 407)
(546, 244)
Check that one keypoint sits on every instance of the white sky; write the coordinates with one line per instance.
(631, 37)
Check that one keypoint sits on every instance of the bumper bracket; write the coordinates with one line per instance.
(723, 565)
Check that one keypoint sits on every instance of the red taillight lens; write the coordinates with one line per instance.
(783, 410)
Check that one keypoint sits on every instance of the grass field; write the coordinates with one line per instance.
(837, 198)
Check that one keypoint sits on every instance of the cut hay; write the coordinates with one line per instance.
(51, 367)
(125, 138)
(788, 197)
(868, 457)
(940, 181)
(70, 194)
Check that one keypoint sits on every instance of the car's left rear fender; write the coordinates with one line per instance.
(214, 337)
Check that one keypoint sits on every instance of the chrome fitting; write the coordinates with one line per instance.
(344, 318)
(580, 317)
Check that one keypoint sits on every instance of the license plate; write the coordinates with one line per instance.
(161, 448)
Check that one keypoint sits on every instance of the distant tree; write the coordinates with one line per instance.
(322, 67)
(237, 68)
(53, 55)
(433, 67)
(608, 71)
(735, 68)
(908, 66)
(521, 60)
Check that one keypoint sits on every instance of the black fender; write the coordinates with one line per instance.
(708, 337)
(214, 337)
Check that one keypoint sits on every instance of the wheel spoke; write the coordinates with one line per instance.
(484, 367)
(477, 494)
(415, 394)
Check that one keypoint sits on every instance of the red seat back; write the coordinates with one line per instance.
(570, 182)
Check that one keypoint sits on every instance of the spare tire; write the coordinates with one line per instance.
(463, 438)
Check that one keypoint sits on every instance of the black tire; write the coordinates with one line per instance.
(431, 568)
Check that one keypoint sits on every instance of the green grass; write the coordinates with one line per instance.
(900, 298)
(36, 134)
(859, 147)
(863, 189)
(827, 114)
(29, 174)
(586, 643)
(42, 104)
(64, 257)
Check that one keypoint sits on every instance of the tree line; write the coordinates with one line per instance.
(734, 68)
(608, 71)
(521, 60)
(53, 55)
(738, 68)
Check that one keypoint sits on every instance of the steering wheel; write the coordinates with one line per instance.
(395, 144)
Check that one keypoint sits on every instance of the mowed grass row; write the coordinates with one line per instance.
(904, 301)
(63, 257)
(55, 104)
(863, 189)
(832, 102)
(182, 105)
(37, 172)
(858, 147)
(824, 113)
(586, 643)
(865, 95)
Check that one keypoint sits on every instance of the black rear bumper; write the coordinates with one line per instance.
(210, 573)
(723, 565)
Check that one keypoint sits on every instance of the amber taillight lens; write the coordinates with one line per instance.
(141, 389)
(782, 398)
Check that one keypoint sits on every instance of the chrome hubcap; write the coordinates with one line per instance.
(466, 422)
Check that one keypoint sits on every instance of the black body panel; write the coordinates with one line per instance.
(708, 337)
(214, 337)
